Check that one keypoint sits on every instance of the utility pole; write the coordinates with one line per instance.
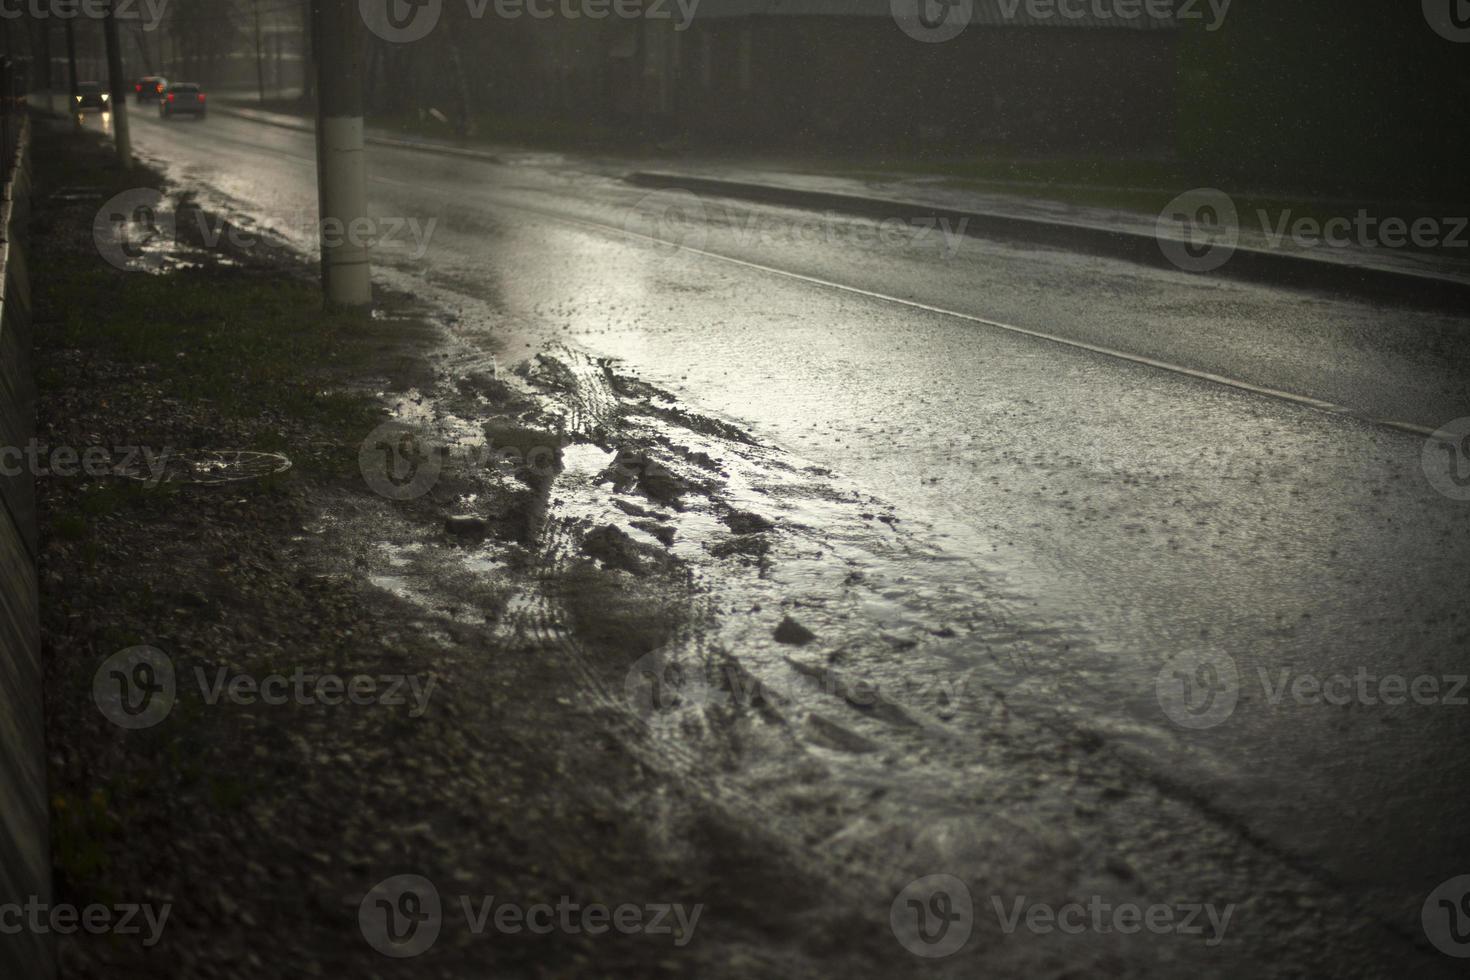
(259, 54)
(145, 54)
(47, 79)
(119, 88)
(341, 163)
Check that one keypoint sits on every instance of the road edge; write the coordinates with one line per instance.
(1247, 264)
(304, 126)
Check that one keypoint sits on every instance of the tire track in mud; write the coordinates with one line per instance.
(859, 795)
(593, 414)
(856, 796)
(597, 412)
(601, 408)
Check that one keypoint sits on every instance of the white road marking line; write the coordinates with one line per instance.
(1287, 396)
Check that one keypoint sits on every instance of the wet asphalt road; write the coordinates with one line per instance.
(1149, 516)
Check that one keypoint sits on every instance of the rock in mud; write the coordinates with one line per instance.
(520, 515)
(465, 526)
(793, 633)
(615, 549)
(661, 532)
(632, 469)
(744, 522)
(749, 545)
(631, 509)
(838, 736)
(496, 392)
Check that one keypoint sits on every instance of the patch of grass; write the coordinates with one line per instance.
(1093, 172)
(113, 637)
(246, 345)
(250, 343)
(81, 833)
(227, 792)
(69, 527)
(1143, 187)
(101, 500)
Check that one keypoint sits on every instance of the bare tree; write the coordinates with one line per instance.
(145, 53)
(308, 56)
(204, 32)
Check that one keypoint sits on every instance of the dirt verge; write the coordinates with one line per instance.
(329, 727)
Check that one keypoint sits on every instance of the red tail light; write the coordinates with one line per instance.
(201, 96)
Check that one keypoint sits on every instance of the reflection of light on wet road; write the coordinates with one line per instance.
(100, 122)
(90, 119)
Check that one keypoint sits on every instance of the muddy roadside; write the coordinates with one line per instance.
(473, 760)
(590, 616)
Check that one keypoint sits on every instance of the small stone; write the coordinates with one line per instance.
(793, 633)
(660, 532)
(466, 526)
(743, 522)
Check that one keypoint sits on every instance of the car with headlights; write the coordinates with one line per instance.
(183, 99)
(91, 95)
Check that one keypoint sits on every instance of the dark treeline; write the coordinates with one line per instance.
(1294, 96)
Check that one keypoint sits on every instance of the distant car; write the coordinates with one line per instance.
(150, 88)
(91, 95)
(183, 99)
